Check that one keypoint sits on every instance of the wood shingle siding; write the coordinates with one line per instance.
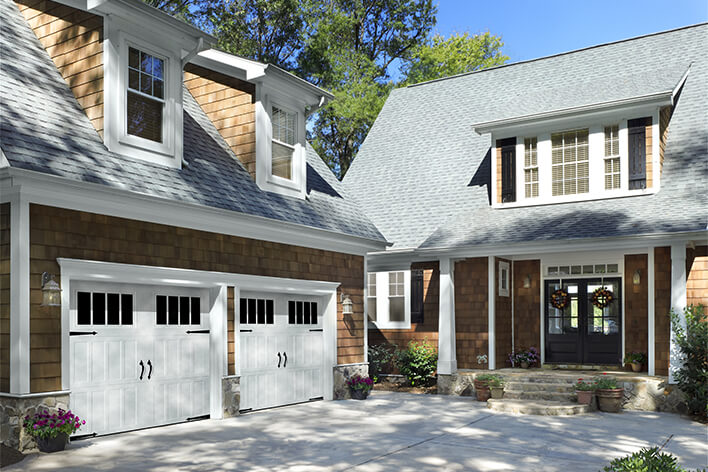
(662, 308)
(527, 301)
(471, 311)
(229, 104)
(56, 232)
(635, 304)
(5, 297)
(664, 119)
(74, 40)
(697, 271)
(649, 154)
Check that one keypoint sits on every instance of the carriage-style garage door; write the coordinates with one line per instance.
(281, 349)
(139, 355)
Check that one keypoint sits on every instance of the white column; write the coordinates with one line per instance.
(447, 347)
(651, 346)
(19, 295)
(678, 300)
(366, 312)
(492, 310)
(217, 327)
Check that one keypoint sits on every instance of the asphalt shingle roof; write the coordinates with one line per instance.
(44, 129)
(423, 175)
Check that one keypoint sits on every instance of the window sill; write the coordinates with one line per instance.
(577, 198)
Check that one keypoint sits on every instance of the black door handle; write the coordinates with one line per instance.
(279, 359)
(142, 366)
(150, 373)
(286, 359)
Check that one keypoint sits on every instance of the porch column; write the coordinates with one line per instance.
(19, 294)
(491, 299)
(217, 347)
(678, 300)
(651, 338)
(447, 355)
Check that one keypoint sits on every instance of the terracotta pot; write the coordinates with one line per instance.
(359, 394)
(584, 396)
(610, 400)
(481, 388)
(497, 392)
(55, 444)
(636, 366)
(524, 364)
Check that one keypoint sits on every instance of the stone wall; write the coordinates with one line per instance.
(342, 373)
(231, 400)
(14, 409)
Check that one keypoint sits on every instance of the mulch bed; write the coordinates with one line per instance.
(9, 456)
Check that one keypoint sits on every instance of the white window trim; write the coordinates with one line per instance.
(382, 301)
(504, 292)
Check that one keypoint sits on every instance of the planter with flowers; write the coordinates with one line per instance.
(496, 387)
(585, 391)
(481, 386)
(609, 394)
(636, 359)
(360, 387)
(524, 358)
(51, 431)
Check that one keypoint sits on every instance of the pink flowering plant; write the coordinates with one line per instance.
(360, 383)
(50, 425)
(583, 385)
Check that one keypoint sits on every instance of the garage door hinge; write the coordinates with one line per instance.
(198, 331)
(82, 333)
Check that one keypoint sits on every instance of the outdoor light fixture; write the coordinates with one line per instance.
(51, 292)
(347, 305)
(636, 278)
(527, 281)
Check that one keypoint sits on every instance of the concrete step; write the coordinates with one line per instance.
(544, 408)
(564, 387)
(538, 395)
(543, 379)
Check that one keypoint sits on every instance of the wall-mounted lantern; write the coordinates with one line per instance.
(527, 281)
(637, 277)
(347, 305)
(51, 292)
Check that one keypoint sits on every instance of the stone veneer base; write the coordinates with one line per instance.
(13, 409)
(342, 373)
(231, 401)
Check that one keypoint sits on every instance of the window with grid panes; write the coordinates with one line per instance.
(371, 295)
(284, 138)
(531, 167)
(612, 158)
(570, 162)
(396, 297)
(146, 95)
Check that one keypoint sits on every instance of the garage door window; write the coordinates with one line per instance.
(100, 308)
(257, 311)
(175, 310)
(302, 312)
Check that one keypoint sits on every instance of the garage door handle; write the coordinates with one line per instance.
(150, 373)
(142, 366)
(286, 359)
(279, 360)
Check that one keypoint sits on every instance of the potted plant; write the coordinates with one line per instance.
(481, 386)
(585, 391)
(609, 394)
(524, 358)
(636, 359)
(496, 387)
(360, 387)
(51, 431)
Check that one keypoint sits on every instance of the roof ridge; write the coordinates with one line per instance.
(487, 69)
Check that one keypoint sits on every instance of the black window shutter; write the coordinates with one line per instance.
(508, 169)
(637, 153)
(416, 296)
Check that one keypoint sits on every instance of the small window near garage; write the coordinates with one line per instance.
(504, 279)
(396, 297)
(256, 311)
(175, 310)
(371, 295)
(300, 312)
(98, 308)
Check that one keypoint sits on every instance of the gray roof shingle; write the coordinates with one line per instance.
(423, 175)
(44, 129)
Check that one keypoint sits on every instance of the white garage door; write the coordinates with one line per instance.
(139, 355)
(281, 349)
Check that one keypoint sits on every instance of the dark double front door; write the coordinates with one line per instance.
(582, 333)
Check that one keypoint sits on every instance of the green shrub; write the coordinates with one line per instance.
(381, 357)
(692, 377)
(646, 460)
(417, 362)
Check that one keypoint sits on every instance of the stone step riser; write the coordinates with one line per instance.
(540, 387)
(537, 409)
(526, 395)
(542, 380)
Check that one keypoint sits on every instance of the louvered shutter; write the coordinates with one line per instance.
(508, 169)
(416, 296)
(637, 153)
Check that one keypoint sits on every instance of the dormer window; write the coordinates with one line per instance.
(531, 167)
(284, 133)
(569, 162)
(146, 95)
(612, 157)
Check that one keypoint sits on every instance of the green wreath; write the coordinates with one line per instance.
(560, 299)
(602, 297)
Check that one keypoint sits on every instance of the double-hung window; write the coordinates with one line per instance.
(570, 162)
(371, 295)
(396, 297)
(146, 95)
(531, 167)
(612, 158)
(284, 139)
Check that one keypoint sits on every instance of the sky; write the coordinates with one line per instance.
(532, 29)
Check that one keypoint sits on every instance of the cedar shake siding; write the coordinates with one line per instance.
(229, 104)
(649, 154)
(502, 320)
(662, 308)
(527, 301)
(664, 120)
(5, 297)
(56, 232)
(428, 330)
(74, 41)
(697, 271)
(471, 311)
(635, 304)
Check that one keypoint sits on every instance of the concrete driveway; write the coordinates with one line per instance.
(389, 431)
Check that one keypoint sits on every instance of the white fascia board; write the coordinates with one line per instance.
(229, 64)
(54, 191)
(548, 118)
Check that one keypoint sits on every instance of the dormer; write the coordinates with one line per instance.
(261, 112)
(591, 152)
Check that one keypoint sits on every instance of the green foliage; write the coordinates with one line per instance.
(605, 382)
(584, 386)
(646, 460)
(485, 378)
(380, 358)
(417, 362)
(635, 358)
(496, 381)
(692, 341)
